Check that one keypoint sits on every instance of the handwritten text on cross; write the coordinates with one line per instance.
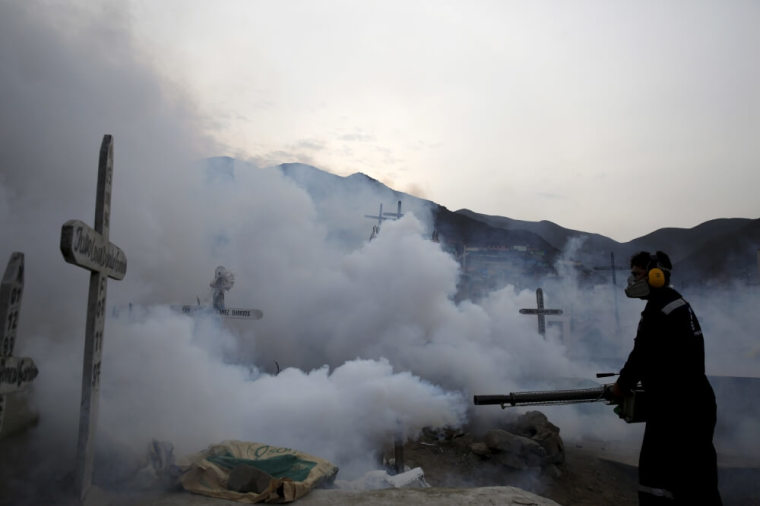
(89, 248)
(16, 373)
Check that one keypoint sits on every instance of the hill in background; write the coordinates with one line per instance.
(719, 251)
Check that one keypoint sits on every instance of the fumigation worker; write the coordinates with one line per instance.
(677, 463)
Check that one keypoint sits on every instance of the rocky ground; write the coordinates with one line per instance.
(583, 479)
(594, 473)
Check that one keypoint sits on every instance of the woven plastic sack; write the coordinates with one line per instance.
(291, 474)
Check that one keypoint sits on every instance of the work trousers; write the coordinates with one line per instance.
(678, 463)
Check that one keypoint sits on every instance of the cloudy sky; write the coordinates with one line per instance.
(610, 117)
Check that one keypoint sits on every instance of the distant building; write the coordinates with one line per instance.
(489, 268)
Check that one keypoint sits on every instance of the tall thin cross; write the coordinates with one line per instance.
(541, 312)
(613, 268)
(380, 217)
(90, 249)
(15, 373)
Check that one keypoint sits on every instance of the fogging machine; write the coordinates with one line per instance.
(631, 408)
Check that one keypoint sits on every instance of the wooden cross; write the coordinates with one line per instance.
(90, 249)
(383, 216)
(397, 215)
(540, 311)
(380, 217)
(15, 373)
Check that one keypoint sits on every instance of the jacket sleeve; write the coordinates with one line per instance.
(632, 371)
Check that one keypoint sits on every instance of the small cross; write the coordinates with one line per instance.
(16, 373)
(383, 216)
(89, 248)
(540, 311)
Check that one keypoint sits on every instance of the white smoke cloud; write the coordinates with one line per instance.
(167, 379)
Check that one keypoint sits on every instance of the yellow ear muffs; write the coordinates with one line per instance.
(656, 278)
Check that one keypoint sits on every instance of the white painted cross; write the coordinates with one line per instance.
(540, 311)
(15, 373)
(90, 249)
(227, 312)
(222, 282)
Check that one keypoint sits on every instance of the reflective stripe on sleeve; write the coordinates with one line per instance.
(669, 308)
(658, 492)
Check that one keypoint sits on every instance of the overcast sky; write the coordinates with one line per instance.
(611, 117)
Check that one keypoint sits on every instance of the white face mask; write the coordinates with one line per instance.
(637, 289)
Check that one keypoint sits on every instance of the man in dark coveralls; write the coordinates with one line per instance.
(677, 463)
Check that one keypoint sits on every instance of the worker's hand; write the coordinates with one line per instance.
(613, 393)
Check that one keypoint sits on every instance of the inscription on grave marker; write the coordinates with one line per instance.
(16, 373)
(90, 249)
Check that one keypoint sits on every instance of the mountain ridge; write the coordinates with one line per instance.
(721, 250)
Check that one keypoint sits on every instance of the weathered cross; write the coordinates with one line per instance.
(380, 217)
(222, 282)
(90, 249)
(398, 214)
(15, 373)
(540, 311)
(383, 216)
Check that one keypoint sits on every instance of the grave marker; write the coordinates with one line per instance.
(397, 215)
(383, 216)
(380, 217)
(222, 282)
(90, 249)
(613, 268)
(541, 312)
(16, 373)
(227, 312)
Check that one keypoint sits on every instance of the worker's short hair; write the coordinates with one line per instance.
(648, 261)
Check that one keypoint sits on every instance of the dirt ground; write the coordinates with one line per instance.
(585, 479)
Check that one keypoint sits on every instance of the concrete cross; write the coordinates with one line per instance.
(15, 373)
(89, 248)
(540, 311)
